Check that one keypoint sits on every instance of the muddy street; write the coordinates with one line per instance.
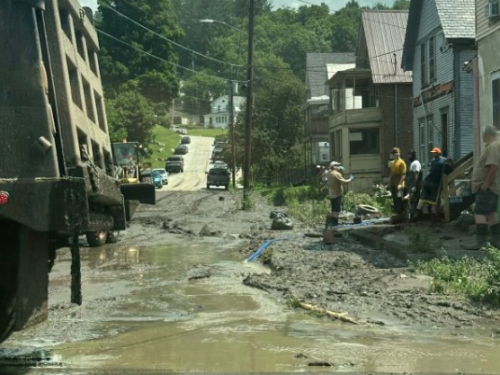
(175, 295)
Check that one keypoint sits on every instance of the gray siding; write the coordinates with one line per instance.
(483, 25)
(466, 104)
(444, 63)
(435, 108)
(429, 19)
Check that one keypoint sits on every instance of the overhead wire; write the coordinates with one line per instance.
(103, 3)
(160, 58)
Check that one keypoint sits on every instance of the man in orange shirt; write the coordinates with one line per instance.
(396, 180)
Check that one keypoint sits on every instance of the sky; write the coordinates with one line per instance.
(333, 4)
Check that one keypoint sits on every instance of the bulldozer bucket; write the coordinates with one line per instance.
(143, 193)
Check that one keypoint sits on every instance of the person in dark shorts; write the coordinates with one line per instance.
(430, 186)
(486, 187)
(335, 185)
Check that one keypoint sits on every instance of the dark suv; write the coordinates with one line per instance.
(218, 177)
(175, 164)
(186, 140)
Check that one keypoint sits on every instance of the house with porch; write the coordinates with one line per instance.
(487, 68)
(320, 67)
(371, 104)
(439, 42)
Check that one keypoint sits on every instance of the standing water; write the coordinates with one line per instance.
(184, 307)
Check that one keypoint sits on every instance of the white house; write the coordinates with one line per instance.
(219, 114)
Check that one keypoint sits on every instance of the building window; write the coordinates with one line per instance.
(364, 141)
(423, 66)
(422, 143)
(79, 44)
(319, 111)
(493, 9)
(495, 96)
(88, 100)
(430, 133)
(92, 61)
(75, 84)
(432, 59)
(100, 111)
(64, 17)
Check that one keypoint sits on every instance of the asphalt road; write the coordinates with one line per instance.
(196, 163)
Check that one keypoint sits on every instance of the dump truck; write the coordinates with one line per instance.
(57, 173)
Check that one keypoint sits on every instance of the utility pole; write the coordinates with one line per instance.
(249, 109)
(231, 125)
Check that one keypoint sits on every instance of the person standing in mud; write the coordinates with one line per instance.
(336, 190)
(486, 187)
(397, 180)
(431, 184)
(413, 181)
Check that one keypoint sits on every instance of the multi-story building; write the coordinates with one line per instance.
(440, 41)
(319, 68)
(488, 66)
(80, 95)
(371, 106)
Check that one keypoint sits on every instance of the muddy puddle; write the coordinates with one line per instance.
(183, 307)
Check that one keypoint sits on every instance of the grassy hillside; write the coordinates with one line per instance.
(201, 132)
(165, 143)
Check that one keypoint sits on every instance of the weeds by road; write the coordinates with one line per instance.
(165, 142)
(478, 280)
(310, 203)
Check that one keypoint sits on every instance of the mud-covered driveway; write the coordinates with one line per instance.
(174, 295)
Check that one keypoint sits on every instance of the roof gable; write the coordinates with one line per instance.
(317, 71)
(457, 19)
(381, 40)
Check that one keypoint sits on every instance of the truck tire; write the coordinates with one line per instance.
(226, 187)
(113, 236)
(8, 315)
(97, 239)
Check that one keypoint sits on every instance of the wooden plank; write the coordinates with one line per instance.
(446, 198)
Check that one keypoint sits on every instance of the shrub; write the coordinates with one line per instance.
(479, 280)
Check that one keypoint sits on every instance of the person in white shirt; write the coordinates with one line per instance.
(414, 181)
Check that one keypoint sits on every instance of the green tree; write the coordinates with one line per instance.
(157, 80)
(401, 5)
(131, 116)
(199, 90)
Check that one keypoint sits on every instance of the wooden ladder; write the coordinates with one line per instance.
(455, 203)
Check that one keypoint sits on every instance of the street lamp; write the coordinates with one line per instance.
(209, 20)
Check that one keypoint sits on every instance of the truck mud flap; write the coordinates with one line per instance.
(143, 193)
(24, 277)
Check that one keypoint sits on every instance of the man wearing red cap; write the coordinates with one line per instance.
(430, 187)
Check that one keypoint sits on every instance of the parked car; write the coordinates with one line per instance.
(175, 164)
(157, 179)
(186, 140)
(164, 175)
(218, 177)
(181, 150)
(217, 155)
(220, 164)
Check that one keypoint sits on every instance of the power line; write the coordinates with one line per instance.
(162, 36)
(160, 58)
